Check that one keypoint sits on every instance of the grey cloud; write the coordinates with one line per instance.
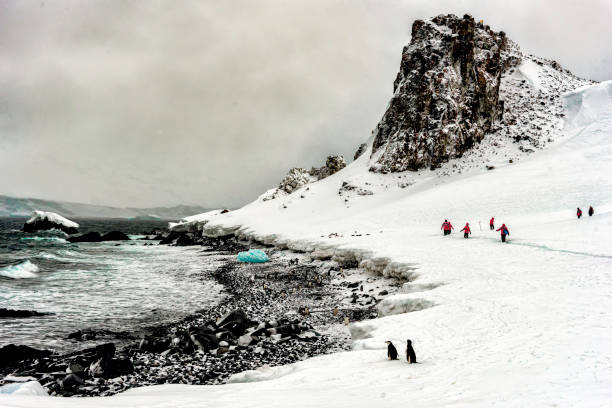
(146, 103)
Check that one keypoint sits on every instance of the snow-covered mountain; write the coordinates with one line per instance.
(526, 323)
(23, 207)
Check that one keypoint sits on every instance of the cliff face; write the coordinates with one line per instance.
(446, 94)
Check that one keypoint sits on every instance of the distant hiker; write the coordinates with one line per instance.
(391, 351)
(447, 227)
(466, 230)
(504, 232)
(410, 354)
(492, 223)
(591, 211)
(579, 213)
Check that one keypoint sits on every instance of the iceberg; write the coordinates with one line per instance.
(253, 256)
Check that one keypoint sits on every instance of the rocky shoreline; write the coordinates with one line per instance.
(275, 313)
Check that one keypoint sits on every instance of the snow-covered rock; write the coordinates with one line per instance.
(45, 220)
(296, 178)
(191, 223)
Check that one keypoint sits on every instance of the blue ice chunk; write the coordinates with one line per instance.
(253, 255)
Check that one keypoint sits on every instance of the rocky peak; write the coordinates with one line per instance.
(446, 94)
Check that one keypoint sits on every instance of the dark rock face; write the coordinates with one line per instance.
(44, 225)
(446, 94)
(20, 313)
(360, 150)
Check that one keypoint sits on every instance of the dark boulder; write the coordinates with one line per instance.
(154, 344)
(71, 382)
(236, 322)
(115, 236)
(186, 240)
(93, 236)
(169, 238)
(204, 338)
(20, 313)
(111, 367)
(82, 335)
(12, 354)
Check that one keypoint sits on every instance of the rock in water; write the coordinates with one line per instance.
(115, 236)
(20, 313)
(44, 220)
(88, 237)
(446, 94)
(96, 237)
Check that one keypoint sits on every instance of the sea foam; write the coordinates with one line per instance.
(23, 270)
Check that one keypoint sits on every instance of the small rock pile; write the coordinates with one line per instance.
(233, 331)
(78, 372)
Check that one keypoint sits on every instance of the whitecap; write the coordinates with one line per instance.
(24, 270)
(37, 238)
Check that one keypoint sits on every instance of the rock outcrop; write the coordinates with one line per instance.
(298, 177)
(44, 220)
(446, 94)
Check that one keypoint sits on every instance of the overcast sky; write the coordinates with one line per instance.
(147, 103)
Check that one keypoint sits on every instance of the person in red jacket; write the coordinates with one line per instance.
(447, 227)
(579, 213)
(504, 232)
(466, 230)
(492, 223)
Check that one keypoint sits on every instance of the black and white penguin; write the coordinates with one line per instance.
(391, 351)
(410, 354)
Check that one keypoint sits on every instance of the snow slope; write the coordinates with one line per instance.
(527, 323)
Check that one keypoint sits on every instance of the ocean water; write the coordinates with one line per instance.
(118, 286)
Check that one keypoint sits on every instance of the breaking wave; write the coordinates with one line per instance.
(24, 270)
(56, 239)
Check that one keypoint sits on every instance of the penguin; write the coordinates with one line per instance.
(410, 354)
(391, 351)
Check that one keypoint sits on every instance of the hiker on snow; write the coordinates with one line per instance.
(579, 213)
(504, 232)
(591, 211)
(492, 223)
(447, 227)
(466, 230)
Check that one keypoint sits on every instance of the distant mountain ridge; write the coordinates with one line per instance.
(20, 207)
